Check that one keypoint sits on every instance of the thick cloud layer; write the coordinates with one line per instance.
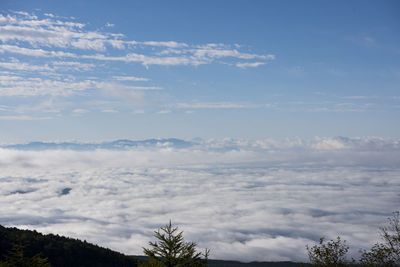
(246, 200)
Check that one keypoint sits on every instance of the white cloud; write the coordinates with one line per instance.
(244, 199)
(140, 88)
(72, 65)
(170, 44)
(14, 85)
(130, 78)
(25, 14)
(218, 53)
(79, 111)
(250, 64)
(48, 105)
(23, 118)
(149, 60)
(55, 33)
(34, 52)
(325, 109)
(15, 64)
(52, 37)
(109, 25)
(110, 110)
(21, 86)
(165, 111)
(357, 97)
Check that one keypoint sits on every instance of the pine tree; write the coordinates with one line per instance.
(171, 250)
(16, 258)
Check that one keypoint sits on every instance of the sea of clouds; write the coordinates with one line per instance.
(246, 200)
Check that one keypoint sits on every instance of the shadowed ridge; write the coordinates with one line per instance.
(61, 251)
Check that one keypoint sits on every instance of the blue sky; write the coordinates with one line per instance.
(104, 70)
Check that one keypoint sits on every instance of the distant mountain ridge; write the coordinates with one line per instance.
(121, 144)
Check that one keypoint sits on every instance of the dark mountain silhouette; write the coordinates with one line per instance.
(60, 251)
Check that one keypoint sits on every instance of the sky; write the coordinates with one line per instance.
(288, 110)
(101, 70)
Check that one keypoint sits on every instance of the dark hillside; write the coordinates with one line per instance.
(60, 251)
(63, 251)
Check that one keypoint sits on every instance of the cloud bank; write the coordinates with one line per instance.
(244, 199)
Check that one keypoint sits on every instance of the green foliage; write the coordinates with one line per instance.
(332, 253)
(388, 252)
(16, 258)
(172, 250)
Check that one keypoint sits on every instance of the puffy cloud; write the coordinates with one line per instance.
(244, 199)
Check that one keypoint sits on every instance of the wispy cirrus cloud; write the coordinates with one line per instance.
(110, 110)
(13, 85)
(79, 111)
(164, 111)
(211, 105)
(52, 56)
(19, 30)
(15, 64)
(21, 86)
(249, 64)
(13, 49)
(130, 78)
(72, 65)
(23, 118)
